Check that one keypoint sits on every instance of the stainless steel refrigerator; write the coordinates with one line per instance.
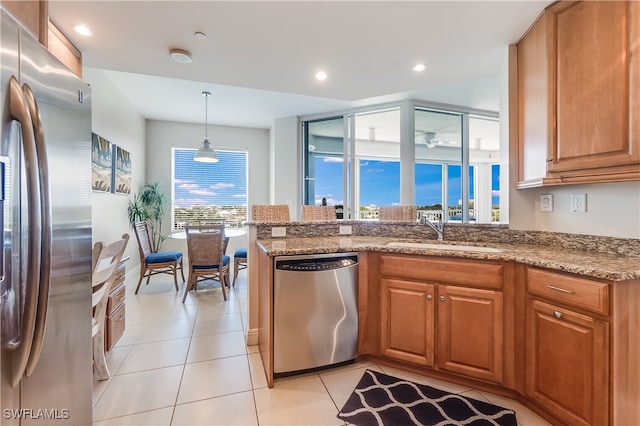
(45, 270)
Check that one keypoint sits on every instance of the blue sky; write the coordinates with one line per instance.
(225, 182)
(221, 183)
(380, 182)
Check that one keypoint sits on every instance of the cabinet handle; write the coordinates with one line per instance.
(557, 314)
(442, 298)
(429, 297)
(120, 318)
(552, 287)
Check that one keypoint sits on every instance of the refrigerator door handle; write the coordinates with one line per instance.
(18, 110)
(46, 237)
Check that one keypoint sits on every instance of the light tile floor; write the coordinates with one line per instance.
(187, 364)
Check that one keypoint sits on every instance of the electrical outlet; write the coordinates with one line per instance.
(345, 230)
(546, 203)
(579, 202)
(278, 231)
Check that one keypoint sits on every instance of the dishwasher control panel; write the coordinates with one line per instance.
(308, 264)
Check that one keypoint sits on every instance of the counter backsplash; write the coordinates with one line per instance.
(458, 232)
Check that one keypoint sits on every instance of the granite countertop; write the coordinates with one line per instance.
(587, 263)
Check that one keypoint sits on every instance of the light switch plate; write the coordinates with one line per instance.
(345, 230)
(546, 203)
(278, 231)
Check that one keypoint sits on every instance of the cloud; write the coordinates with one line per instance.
(375, 170)
(202, 192)
(239, 196)
(222, 185)
(188, 202)
(333, 160)
(180, 181)
(189, 186)
(495, 193)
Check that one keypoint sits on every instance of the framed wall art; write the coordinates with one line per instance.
(101, 164)
(122, 171)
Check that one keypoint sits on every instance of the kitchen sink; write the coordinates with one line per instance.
(443, 246)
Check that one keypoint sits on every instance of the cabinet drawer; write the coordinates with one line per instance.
(579, 292)
(116, 298)
(481, 274)
(115, 326)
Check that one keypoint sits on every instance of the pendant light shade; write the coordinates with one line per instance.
(206, 154)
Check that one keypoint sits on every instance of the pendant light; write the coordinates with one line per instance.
(206, 154)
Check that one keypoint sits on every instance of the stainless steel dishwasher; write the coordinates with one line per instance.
(315, 311)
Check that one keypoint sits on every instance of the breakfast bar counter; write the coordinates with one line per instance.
(614, 267)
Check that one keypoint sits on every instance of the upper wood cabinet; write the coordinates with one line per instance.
(579, 95)
(34, 15)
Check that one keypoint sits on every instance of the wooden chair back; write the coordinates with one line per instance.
(205, 245)
(270, 213)
(106, 260)
(318, 213)
(398, 213)
(144, 238)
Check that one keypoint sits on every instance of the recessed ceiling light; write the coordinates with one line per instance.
(321, 75)
(82, 30)
(419, 67)
(181, 56)
(200, 35)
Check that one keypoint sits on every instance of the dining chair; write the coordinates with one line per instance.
(216, 221)
(259, 213)
(318, 213)
(398, 214)
(106, 260)
(165, 262)
(270, 213)
(206, 258)
(239, 262)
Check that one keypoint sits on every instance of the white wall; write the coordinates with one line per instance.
(613, 209)
(162, 136)
(116, 120)
(286, 157)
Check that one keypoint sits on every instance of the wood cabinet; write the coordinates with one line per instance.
(34, 15)
(408, 327)
(115, 321)
(432, 315)
(578, 79)
(567, 363)
(470, 332)
(581, 347)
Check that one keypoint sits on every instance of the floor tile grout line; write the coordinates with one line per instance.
(145, 326)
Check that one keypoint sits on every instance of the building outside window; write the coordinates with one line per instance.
(202, 191)
(357, 160)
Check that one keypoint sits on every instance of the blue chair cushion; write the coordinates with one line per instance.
(163, 256)
(241, 252)
(225, 261)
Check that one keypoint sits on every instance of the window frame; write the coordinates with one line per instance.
(174, 149)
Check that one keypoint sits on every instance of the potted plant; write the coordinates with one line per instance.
(149, 204)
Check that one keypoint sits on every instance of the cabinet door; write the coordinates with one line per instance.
(596, 86)
(407, 316)
(567, 363)
(470, 332)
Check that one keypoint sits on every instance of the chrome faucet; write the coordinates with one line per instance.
(438, 226)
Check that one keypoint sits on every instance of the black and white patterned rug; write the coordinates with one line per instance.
(379, 399)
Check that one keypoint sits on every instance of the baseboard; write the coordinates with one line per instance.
(252, 336)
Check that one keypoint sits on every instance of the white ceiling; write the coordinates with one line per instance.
(260, 57)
